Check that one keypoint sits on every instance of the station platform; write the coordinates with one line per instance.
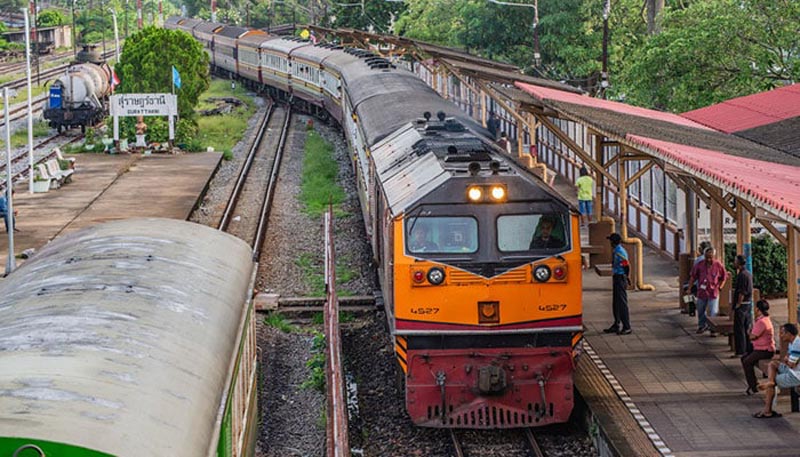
(108, 187)
(664, 390)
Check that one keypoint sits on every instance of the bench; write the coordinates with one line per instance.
(55, 171)
(793, 393)
(722, 325)
(604, 269)
(70, 160)
(55, 182)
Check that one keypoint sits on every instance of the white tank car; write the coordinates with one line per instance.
(79, 97)
(85, 83)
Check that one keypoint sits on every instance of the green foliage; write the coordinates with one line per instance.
(3, 27)
(769, 264)
(319, 186)
(278, 321)
(227, 154)
(146, 66)
(314, 273)
(51, 18)
(316, 364)
(715, 50)
(223, 132)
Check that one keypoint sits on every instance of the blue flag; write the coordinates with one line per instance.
(176, 77)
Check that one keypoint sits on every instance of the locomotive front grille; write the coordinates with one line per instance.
(465, 277)
(491, 416)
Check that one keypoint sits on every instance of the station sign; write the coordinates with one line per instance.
(126, 105)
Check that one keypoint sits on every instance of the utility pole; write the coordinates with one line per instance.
(126, 19)
(604, 74)
(74, 32)
(139, 14)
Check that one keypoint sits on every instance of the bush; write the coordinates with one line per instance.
(769, 264)
(227, 154)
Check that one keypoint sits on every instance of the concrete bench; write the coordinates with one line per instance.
(55, 182)
(604, 269)
(55, 171)
(722, 325)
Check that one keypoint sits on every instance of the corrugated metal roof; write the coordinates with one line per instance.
(405, 176)
(774, 185)
(751, 111)
(119, 337)
(543, 93)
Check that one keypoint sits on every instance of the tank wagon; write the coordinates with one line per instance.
(130, 338)
(79, 97)
(479, 261)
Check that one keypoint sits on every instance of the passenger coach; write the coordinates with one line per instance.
(131, 338)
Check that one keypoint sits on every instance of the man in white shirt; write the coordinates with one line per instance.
(785, 374)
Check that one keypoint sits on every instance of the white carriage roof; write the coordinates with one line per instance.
(119, 337)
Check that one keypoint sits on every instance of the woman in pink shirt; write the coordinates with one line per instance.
(762, 338)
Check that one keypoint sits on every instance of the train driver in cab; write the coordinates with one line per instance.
(421, 239)
(546, 236)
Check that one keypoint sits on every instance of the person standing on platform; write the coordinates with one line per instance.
(785, 374)
(621, 280)
(710, 275)
(742, 300)
(493, 125)
(7, 218)
(762, 339)
(585, 194)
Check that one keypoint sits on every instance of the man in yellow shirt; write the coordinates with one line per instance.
(585, 195)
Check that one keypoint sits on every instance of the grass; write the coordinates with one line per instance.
(344, 317)
(319, 186)
(314, 273)
(20, 137)
(223, 132)
(316, 365)
(278, 321)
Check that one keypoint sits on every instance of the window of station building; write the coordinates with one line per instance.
(442, 235)
(532, 232)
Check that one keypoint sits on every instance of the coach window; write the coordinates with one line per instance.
(442, 235)
(531, 232)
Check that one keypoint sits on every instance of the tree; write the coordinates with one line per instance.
(50, 18)
(715, 50)
(146, 66)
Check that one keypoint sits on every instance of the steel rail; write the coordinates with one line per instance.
(337, 440)
(530, 438)
(456, 443)
(266, 205)
(237, 189)
(46, 73)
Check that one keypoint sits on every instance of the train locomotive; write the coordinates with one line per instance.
(79, 97)
(130, 338)
(479, 261)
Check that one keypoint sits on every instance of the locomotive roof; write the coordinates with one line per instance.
(207, 27)
(413, 161)
(118, 338)
(386, 100)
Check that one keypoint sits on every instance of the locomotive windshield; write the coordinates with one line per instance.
(442, 235)
(531, 232)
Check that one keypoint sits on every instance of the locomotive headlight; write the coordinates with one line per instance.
(541, 273)
(435, 276)
(498, 193)
(475, 194)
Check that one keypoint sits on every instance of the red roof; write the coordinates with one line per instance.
(752, 111)
(775, 185)
(543, 93)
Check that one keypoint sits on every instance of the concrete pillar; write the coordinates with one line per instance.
(520, 138)
(793, 270)
(691, 221)
(743, 243)
(717, 240)
(600, 189)
(622, 178)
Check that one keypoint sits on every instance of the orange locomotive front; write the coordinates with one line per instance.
(487, 302)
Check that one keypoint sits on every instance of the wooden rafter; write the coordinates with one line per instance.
(585, 156)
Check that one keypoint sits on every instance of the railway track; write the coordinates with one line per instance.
(19, 161)
(529, 447)
(336, 437)
(46, 73)
(255, 184)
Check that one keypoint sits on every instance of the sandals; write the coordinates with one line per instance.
(760, 415)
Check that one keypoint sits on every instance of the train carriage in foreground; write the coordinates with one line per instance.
(479, 261)
(131, 338)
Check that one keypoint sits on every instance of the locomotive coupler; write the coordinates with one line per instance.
(491, 380)
(542, 411)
